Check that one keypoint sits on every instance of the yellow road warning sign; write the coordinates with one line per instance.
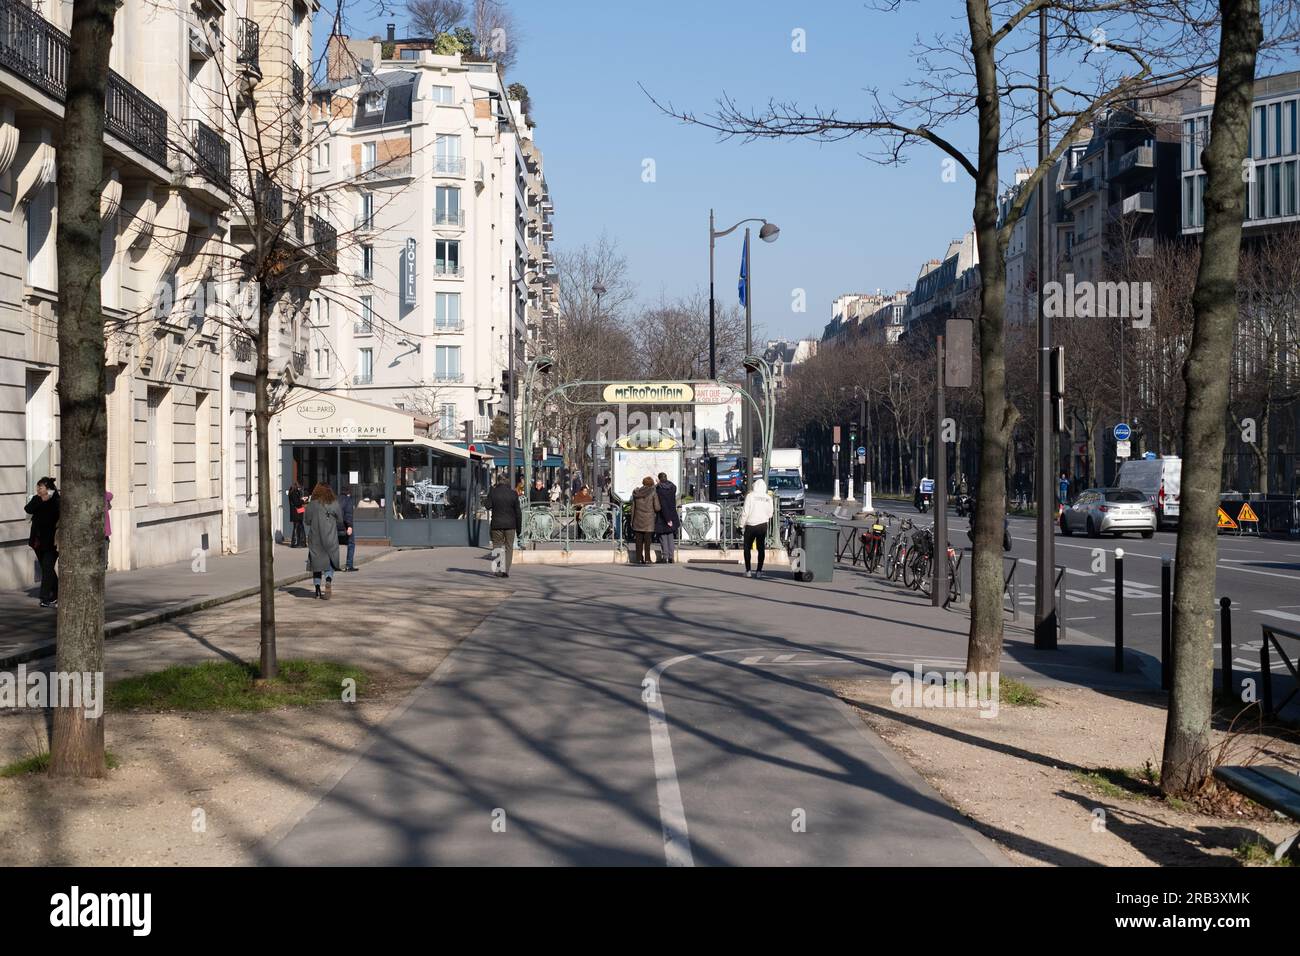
(1247, 513)
(1225, 521)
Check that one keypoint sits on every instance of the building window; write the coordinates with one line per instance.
(447, 209)
(202, 445)
(447, 310)
(1275, 190)
(446, 257)
(367, 156)
(159, 446)
(368, 261)
(1189, 143)
(1259, 139)
(365, 366)
(366, 218)
(1277, 129)
(1289, 112)
(40, 238)
(1288, 188)
(365, 324)
(447, 367)
(39, 420)
(447, 420)
(441, 95)
(373, 103)
(447, 159)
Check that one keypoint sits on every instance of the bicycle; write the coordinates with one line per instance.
(873, 541)
(918, 573)
(897, 556)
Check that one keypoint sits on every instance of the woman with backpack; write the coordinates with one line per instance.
(324, 523)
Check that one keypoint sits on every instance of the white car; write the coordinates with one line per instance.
(1116, 511)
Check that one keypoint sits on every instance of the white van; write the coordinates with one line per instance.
(1160, 480)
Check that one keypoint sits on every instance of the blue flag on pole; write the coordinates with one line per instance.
(743, 286)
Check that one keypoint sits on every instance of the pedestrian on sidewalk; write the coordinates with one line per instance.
(44, 509)
(323, 525)
(507, 520)
(296, 508)
(348, 509)
(666, 519)
(538, 495)
(645, 505)
(754, 517)
(617, 507)
(108, 525)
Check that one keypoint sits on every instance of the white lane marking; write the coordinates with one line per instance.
(782, 658)
(1073, 618)
(1145, 614)
(1282, 614)
(752, 660)
(672, 813)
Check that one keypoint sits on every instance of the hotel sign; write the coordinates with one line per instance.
(408, 273)
(649, 393)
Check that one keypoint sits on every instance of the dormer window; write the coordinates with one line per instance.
(373, 103)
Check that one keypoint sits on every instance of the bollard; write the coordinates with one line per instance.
(1265, 678)
(1119, 610)
(1225, 639)
(1166, 657)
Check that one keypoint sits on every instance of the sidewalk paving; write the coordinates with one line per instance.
(138, 598)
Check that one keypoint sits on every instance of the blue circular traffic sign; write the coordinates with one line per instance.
(1123, 432)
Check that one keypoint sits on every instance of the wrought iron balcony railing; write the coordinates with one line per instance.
(248, 43)
(300, 362)
(270, 200)
(326, 239)
(299, 81)
(211, 153)
(35, 50)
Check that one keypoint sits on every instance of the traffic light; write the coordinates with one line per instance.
(1058, 388)
(506, 383)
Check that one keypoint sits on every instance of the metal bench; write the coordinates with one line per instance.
(1274, 787)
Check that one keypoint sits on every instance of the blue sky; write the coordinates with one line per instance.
(846, 224)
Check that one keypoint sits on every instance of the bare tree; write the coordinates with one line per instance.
(496, 33)
(431, 18)
(1185, 767)
(1114, 50)
(77, 740)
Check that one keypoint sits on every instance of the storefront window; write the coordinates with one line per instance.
(313, 466)
(362, 469)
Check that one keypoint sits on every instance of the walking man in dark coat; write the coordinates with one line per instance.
(349, 508)
(507, 519)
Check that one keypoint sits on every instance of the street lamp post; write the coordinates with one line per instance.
(510, 391)
(768, 233)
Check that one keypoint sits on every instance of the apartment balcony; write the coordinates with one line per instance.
(449, 166)
(364, 276)
(399, 167)
(449, 220)
(36, 51)
(362, 327)
(270, 200)
(300, 362)
(325, 238)
(1144, 202)
(449, 378)
(363, 378)
(365, 222)
(1080, 190)
(1135, 161)
(298, 79)
(482, 427)
(211, 154)
(449, 270)
(446, 326)
(248, 46)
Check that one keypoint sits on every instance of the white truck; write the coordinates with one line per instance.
(1160, 480)
(785, 478)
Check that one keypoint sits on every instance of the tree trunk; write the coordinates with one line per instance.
(984, 649)
(269, 664)
(77, 741)
(1186, 762)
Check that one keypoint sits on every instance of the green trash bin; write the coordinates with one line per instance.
(817, 537)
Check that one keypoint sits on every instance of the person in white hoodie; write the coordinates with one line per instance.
(755, 516)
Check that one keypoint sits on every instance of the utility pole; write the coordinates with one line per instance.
(1045, 551)
(939, 587)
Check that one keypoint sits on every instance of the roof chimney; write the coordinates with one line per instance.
(392, 32)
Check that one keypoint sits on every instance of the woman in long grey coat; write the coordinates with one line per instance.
(322, 520)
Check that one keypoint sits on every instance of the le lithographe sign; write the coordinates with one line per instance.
(318, 418)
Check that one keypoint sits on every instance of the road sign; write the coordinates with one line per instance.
(861, 451)
(1247, 513)
(1225, 521)
(1123, 432)
(959, 350)
(927, 486)
(1123, 449)
(862, 456)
